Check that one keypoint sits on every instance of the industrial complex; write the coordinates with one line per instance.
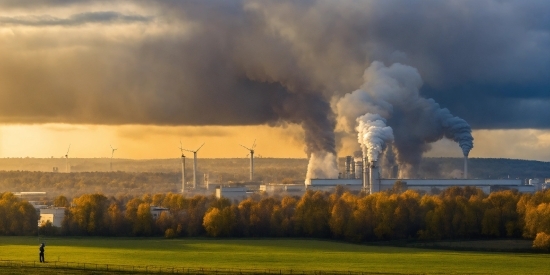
(361, 175)
(364, 175)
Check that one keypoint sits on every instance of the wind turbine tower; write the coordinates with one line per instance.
(251, 149)
(67, 167)
(182, 169)
(112, 153)
(194, 164)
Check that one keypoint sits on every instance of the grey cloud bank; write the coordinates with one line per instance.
(269, 62)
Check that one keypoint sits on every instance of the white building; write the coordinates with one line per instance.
(231, 193)
(55, 215)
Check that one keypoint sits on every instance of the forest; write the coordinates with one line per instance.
(456, 213)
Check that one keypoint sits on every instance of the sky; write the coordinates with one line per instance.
(144, 75)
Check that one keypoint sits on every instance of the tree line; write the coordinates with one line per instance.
(456, 213)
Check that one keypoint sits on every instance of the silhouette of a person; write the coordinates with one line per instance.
(42, 253)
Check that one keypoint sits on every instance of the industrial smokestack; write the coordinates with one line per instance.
(348, 167)
(352, 168)
(365, 174)
(358, 168)
(391, 97)
(374, 178)
(465, 167)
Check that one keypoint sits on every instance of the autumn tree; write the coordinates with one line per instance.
(143, 225)
(17, 217)
(88, 215)
(501, 216)
(282, 218)
(61, 201)
(312, 215)
(341, 215)
(220, 222)
(115, 220)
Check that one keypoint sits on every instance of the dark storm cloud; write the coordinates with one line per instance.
(257, 62)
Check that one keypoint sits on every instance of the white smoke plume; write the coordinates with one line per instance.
(373, 134)
(393, 94)
(322, 165)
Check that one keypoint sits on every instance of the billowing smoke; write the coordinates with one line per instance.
(314, 114)
(392, 93)
(322, 165)
(458, 130)
(274, 62)
(388, 163)
(373, 134)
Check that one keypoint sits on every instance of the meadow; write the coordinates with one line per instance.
(273, 254)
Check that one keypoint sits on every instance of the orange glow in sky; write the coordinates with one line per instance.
(150, 142)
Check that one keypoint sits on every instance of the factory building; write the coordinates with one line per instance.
(54, 215)
(369, 180)
(231, 193)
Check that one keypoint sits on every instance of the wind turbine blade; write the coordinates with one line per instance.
(254, 144)
(187, 150)
(200, 147)
(245, 147)
(68, 150)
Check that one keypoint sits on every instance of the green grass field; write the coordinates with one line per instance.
(274, 254)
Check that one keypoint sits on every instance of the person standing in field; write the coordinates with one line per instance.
(42, 253)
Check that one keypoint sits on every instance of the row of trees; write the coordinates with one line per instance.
(456, 213)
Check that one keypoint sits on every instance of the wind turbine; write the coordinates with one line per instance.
(182, 169)
(112, 153)
(251, 149)
(67, 160)
(194, 164)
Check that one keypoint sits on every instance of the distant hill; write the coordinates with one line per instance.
(494, 168)
(277, 169)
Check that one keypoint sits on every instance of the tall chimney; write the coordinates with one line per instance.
(348, 167)
(365, 174)
(352, 169)
(358, 168)
(465, 167)
(374, 178)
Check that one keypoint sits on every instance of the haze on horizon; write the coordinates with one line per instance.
(143, 75)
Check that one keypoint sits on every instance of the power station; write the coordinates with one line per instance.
(371, 182)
